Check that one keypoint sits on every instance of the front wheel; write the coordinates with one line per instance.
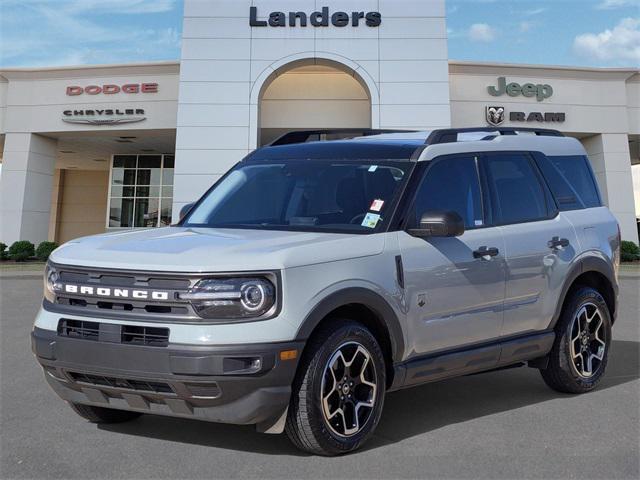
(339, 390)
(580, 352)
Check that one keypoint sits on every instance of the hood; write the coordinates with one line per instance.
(180, 249)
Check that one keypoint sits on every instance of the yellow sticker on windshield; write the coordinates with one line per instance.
(371, 220)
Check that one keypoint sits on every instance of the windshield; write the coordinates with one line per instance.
(304, 195)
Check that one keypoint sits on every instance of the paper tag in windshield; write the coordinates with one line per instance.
(373, 168)
(371, 220)
(377, 205)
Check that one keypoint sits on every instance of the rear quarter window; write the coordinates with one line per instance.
(571, 181)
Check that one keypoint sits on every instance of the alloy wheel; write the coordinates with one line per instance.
(588, 340)
(349, 389)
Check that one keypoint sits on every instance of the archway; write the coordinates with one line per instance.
(313, 94)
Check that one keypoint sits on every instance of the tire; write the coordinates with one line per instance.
(314, 423)
(571, 369)
(103, 415)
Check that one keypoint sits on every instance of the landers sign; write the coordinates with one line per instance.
(321, 18)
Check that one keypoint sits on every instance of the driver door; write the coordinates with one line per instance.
(454, 294)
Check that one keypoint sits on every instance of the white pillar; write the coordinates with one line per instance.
(611, 162)
(26, 186)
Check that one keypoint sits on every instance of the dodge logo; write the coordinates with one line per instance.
(116, 292)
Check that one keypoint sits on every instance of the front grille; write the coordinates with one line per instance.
(150, 336)
(79, 329)
(126, 307)
(121, 383)
(113, 333)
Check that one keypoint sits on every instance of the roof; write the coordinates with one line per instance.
(412, 145)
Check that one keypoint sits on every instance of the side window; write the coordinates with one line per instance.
(576, 171)
(565, 195)
(518, 196)
(451, 184)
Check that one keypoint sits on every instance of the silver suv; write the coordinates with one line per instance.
(330, 268)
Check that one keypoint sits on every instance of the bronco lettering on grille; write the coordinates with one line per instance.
(116, 292)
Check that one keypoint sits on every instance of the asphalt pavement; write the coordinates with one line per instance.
(500, 425)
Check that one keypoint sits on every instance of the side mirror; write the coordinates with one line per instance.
(186, 209)
(437, 223)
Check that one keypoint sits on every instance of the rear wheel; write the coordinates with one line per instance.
(339, 390)
(580, 352)
(103, 415)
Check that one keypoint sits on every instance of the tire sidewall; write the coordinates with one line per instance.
(580, 298)
(347, 332)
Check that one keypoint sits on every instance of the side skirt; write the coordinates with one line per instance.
(482, 358)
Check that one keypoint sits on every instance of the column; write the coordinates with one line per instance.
(26, 186)
(611, 162)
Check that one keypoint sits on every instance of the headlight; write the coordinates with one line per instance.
(52, 283)
(232, 298)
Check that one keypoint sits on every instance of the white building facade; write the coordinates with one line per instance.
(90, 149)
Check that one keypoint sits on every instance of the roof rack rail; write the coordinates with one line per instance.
(303, 136)
(450, 135)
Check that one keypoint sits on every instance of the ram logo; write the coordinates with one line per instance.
(495, 115)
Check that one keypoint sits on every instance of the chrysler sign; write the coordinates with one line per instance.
(104, 116)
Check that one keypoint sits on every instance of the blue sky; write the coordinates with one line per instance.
(563, 32)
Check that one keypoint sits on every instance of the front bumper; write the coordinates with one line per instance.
(245, 385)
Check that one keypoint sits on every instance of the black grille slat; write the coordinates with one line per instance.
(121, 383)
(127, 334)
(79, 329)
(152, 336)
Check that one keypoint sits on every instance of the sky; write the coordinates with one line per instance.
(561, 32)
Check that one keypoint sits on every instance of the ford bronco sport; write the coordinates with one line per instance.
(329, 268)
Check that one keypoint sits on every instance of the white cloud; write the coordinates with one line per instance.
(78, 32)
(524, 27)
(611, 4)
(535, 11)
(481, 32)
(619, 45)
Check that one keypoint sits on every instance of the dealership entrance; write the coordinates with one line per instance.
(309, 95)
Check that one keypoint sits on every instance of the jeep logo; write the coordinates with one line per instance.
(514, 89)
(115, 292)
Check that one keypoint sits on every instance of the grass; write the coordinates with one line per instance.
(21, 266)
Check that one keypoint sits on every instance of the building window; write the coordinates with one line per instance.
(141, 191)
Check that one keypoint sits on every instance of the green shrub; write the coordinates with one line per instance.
(22, 250)
(3, 251)
(629, 251)
(44, 250)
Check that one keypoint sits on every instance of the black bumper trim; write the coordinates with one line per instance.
(243, 396)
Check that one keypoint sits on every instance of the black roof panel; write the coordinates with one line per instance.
(340, 150)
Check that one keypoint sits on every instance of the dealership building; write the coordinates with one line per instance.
(92, 149)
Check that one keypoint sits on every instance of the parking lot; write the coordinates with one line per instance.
(505, 424)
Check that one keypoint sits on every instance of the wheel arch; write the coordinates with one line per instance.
(367, 307)
(593, 272)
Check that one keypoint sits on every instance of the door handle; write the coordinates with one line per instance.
(558, 243)
(484, 252)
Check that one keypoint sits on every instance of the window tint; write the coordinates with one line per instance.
(451, 184)
(518, 196)
(304, 195)
(574, 173)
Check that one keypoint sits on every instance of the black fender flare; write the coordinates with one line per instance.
(584, 265)
(362, 296)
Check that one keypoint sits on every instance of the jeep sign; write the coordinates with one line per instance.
(514, 89)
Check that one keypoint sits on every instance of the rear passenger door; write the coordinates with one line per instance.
(540, 244)
(454, 296)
